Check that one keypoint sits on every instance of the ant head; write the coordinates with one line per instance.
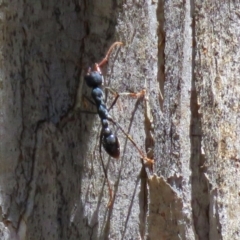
(93, 79)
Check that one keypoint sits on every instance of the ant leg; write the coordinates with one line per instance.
(85, 104)
(148, 162)
(89, 100)
(116, 97)
(113, 103)
(140, 94)
(110, 202)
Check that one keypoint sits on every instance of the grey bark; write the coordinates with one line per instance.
(185, 54)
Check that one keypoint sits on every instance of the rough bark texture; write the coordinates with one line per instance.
(185, 54)
(218, 94)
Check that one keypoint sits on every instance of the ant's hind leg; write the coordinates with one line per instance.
(148, 162)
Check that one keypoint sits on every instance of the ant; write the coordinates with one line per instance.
(108, 139)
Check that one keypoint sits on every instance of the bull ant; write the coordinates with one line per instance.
(108, 139)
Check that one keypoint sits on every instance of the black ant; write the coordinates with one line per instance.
(108, 139)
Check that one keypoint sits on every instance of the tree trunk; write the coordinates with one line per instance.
(185, 55)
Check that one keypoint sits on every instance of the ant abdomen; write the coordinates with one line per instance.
(109, 140)
(111, 145)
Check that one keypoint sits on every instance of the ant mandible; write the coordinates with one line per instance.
(108, 139)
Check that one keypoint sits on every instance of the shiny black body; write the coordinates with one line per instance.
(108, 139)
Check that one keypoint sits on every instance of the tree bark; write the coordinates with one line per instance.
(185, 55)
